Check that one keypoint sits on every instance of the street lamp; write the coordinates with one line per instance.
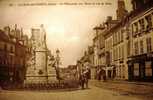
(57, 64)
(57, 57)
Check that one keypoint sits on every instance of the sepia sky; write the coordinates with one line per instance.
(68, 27)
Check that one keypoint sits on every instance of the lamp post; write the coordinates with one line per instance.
(57, 64)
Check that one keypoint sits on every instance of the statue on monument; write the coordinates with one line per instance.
(39, 70)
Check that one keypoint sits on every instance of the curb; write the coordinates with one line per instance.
(126, 82)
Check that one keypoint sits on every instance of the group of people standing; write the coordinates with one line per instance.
(84, 78)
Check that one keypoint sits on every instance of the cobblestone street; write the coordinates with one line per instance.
(97, 92)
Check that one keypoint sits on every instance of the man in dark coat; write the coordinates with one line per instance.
(82, 80)
(87, 76)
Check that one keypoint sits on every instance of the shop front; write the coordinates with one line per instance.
(140, 68)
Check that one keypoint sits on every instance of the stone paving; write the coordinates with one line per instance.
(98, 90)
(143, 90)
(93, 93)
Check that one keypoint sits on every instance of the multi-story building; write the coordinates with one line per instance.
(91, 61)
(128, 42)
(95, 45)
(7, 58)
(119, 55)
(119, 45)
(91, 55)
(140, 62)
(108, 36)
(125, 45)
(99, 45)
(111, 54)
(13, 55)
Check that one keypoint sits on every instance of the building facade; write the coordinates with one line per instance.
(91, 61)
(140, 62)
(125, 46)
(128, 42)
(13, 54)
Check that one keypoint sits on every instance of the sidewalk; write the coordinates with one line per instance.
(131, 82)
(140, 89)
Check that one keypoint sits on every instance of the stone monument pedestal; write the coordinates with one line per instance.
(39, 72)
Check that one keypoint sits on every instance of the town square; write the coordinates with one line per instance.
(76, 50)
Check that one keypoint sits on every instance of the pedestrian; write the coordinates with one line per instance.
(104, 75)
(86, 81)
(82, 80)
(99, 74)
(87, 76)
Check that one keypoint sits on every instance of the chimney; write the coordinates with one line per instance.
(121, 11)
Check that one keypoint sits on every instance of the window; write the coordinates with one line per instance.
(113, 38)
(123, 71)
(119, 52)
(148, 41)
(149, 22)
(141, 46)
(136, 48)
(122, 35)
(148, 69)
(127, 33)
(114, 54)
(128, 48)
(111, 57)
(142, 26)
(116, 37)
(40, 72)
(132, 28)
(136, 69)
(119, 36)
(122, 51)
(136, 28)
(120, 71)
